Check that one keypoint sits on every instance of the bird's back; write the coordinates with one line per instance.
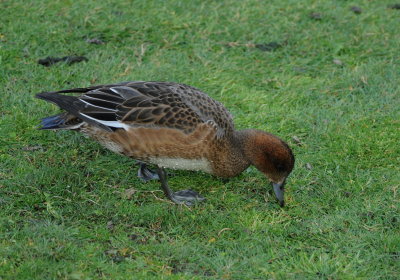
(142, 104)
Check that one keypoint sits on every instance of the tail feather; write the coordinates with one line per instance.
(52, 122)
(71, 104)
(61, 121)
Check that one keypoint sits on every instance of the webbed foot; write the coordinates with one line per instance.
(188, 197)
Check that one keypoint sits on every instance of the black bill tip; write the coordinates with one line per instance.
(279, 190)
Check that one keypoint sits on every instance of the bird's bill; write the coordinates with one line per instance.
(279, 190)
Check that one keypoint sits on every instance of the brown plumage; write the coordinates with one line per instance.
(170, 125)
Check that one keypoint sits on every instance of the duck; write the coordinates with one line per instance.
(170, 126)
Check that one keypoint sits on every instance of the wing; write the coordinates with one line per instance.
(152, 104)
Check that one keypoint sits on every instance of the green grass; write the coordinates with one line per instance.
(64, 212)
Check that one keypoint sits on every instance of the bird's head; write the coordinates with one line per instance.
(272, 157)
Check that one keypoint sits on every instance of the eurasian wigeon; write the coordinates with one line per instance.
(170, 125)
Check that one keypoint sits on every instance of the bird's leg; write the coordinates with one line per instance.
(188, 197)
(145, 173)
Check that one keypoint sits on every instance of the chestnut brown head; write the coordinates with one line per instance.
(271, 156)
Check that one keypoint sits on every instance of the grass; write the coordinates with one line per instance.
(66, 205)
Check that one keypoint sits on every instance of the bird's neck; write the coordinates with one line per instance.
(237, 160)
(243, 138)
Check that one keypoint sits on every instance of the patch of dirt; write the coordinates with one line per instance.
(95, 41)
(315, 16)
(49, 61)
(356, 10)
(268, 47)
(394, 6)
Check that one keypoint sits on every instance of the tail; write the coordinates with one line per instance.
(72, 118)
(70, 104)
(61, 121)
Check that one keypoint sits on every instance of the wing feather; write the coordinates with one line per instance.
(155, 104)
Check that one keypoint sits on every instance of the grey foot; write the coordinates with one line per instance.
(188, 197)
(146, 174)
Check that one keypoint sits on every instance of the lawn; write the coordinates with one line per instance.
(317, 73)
